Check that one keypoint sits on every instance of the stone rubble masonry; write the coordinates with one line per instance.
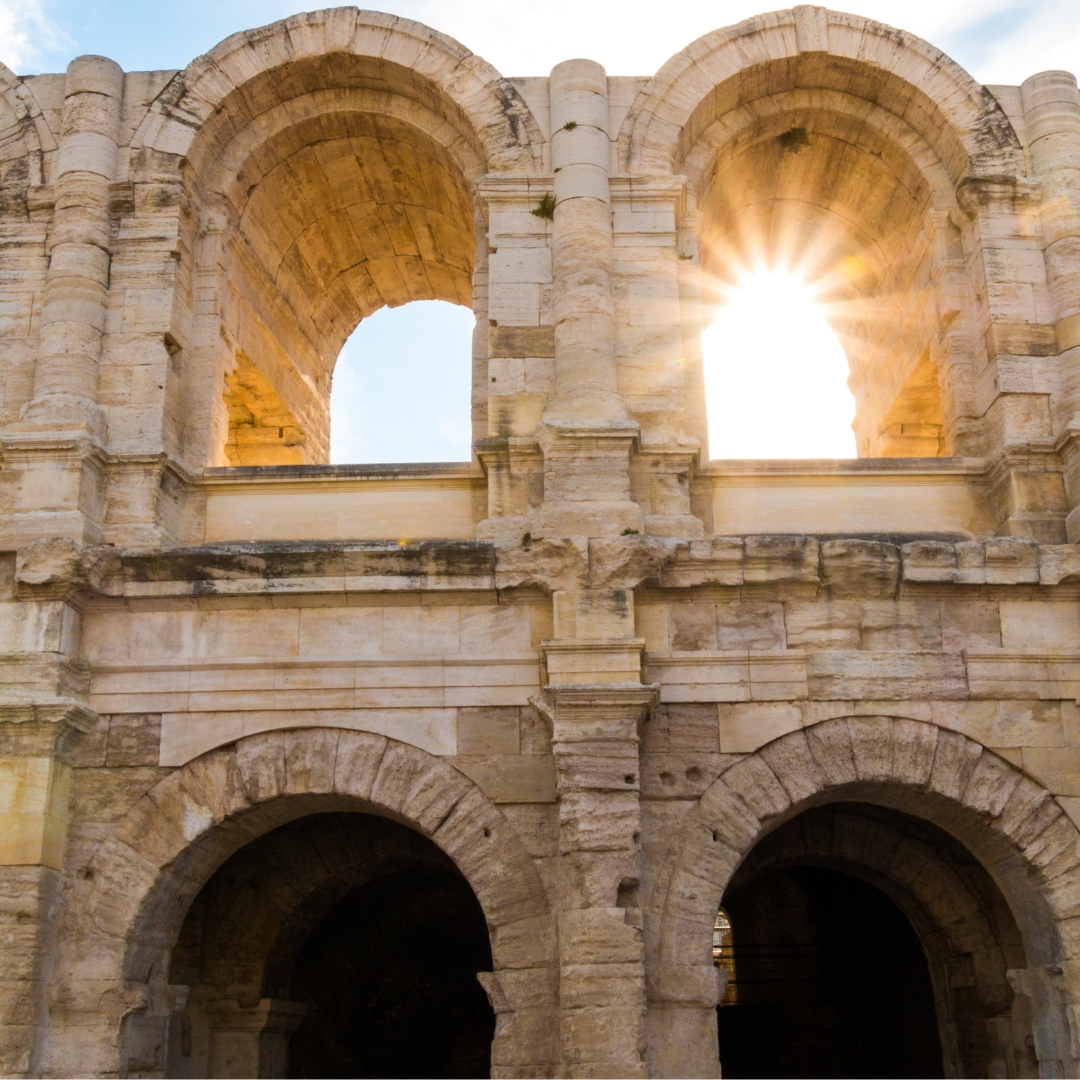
(603, 673)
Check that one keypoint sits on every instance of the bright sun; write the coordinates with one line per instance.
(775, 375)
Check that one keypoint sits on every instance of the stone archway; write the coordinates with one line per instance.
(781, 126)
(330, 161)
(959, 929)
(112, 993)
(485, 107)
(959, 118)
(1016, 830)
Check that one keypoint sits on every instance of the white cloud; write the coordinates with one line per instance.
(632, 37)
(25, 33)
(1048, 38)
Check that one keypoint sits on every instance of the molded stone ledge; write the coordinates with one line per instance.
(869, 568)
(369, 566)
(998, 561)
(834, 567)
(1011, 674)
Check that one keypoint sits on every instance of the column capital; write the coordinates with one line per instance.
(597, 712)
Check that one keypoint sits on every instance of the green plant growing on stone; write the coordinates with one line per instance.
(546, 207)
(569, 125)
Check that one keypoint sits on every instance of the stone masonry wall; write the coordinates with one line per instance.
(552, 662)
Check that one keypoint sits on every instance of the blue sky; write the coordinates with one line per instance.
(402, 382)
(402, 387)
(997, 40)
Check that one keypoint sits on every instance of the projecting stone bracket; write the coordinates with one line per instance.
(56, 568)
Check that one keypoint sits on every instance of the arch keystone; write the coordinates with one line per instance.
(811, 28)
(310, 761)
(914, 747)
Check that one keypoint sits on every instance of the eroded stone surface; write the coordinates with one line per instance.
(608, 679)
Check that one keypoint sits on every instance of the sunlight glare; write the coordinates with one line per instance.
(776, 375)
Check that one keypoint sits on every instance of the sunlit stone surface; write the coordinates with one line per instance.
(436, 768)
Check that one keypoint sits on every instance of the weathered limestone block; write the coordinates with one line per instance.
(56, 566)
(862, 568)
(552, 564)
(603, 715)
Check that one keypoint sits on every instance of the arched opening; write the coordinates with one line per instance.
(338, 944)
(402, 386)
(830, 980)
(325, 196)
(835, 186)
(333, 219)
(775, 373)
(867, 942)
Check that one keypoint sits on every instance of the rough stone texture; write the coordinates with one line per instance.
(605, 677)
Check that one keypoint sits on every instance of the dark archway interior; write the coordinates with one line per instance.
(831, 980)
(837, 916)
(389, 977)
(337, 945)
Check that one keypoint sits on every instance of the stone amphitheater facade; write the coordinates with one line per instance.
(592, 673)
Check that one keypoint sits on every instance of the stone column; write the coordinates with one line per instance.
(44, 720)
(73, 316)
(518, 372)
(601, 940)
(586, 435)
(1052, 113)
(55, 451)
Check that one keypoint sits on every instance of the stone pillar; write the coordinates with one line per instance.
(601, 940)
(514, 288)
(55, 451)
(252, 1041)
(43, 720)
(1027, 494)
(73, 316)
(1052, 113)
(586, 434)
(35, 787)
(595, 703)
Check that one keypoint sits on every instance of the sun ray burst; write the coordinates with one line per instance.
(775, 372)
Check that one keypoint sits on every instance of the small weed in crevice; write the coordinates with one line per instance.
(569, 125)
(546, 207)
(631, 532)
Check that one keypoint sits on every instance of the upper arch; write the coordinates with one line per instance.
(722, 70)
(218, 93)
(21, 128)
